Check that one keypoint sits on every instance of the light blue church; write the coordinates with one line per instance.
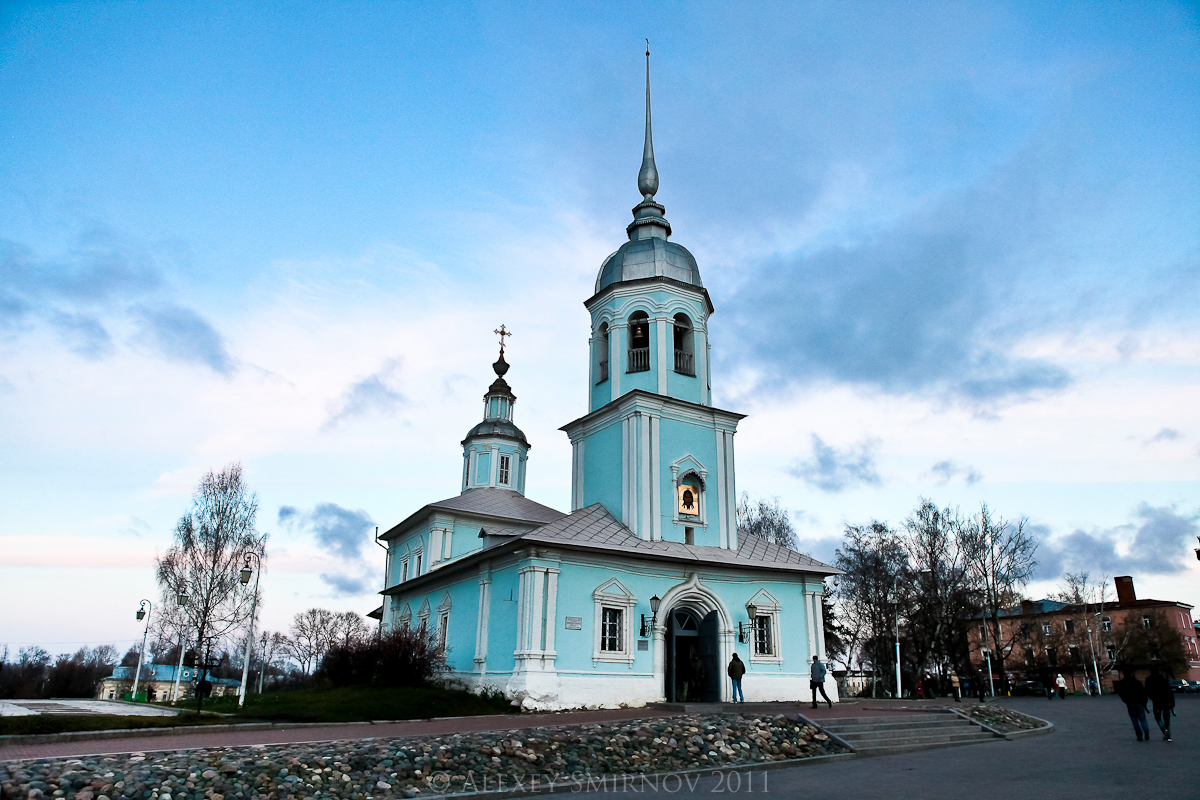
(644, 591)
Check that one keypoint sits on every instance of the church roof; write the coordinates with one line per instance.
(486, 501)
(497, 427)
(495, 502)
(649, 258)
(594, 528)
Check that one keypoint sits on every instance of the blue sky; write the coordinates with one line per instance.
(954, 250)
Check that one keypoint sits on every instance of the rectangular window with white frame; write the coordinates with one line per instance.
(505, 462)
(404, 570)
(613, 624)
(443, 627)
(764, 642)
(417, 571)
(612, 639)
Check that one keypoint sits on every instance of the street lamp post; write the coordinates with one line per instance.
(181, 599)
(896, 591)
(245, 578)
(1095, 668)
(143, 612)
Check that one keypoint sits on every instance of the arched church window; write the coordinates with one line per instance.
(639, 342)
(602, 353)
(685, 357)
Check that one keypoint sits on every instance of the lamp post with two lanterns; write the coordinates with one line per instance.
(143, 612)
(247, 571)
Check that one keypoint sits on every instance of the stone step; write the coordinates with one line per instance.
(875, 740)
(908, 748)
(899, 726)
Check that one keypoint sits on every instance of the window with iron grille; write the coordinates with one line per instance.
(763, 646)
(1046, 628)
(1145, 622)
(1112, 652)
(1105, 624)
(504, 463)
(610, 630)
(1070, 626)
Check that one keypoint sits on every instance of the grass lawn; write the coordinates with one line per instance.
(345, 704)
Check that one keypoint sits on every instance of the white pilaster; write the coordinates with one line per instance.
(655, 478)
(536, 614)
(626, 478)
(522, 602)
(551, 609)
(808, 615)
(616, 364)
(819, 613)
(646, 531)
(495, 465)
(722, 527)
(731, 492)
(481, 622)
(661, 326)
(700, 342)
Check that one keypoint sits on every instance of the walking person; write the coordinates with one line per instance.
(955, 686)
(1061, 683)
(1093, 690)
(817, 681)
(1133, 695)
(1163, 701)
(736, 669)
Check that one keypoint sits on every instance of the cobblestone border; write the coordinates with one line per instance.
(1011, 736)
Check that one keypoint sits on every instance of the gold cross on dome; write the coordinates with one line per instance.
(502, 332)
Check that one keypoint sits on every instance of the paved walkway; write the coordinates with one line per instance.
(202, 738)
(22, 708)
(1091, 755)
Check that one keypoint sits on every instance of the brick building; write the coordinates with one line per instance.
(1042, 638)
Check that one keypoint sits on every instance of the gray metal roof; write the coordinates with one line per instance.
(594, 528)
(499, 503)
(497, 427)
(649, 258)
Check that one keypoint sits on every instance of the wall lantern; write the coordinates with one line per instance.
(655, 601)
(744, 628)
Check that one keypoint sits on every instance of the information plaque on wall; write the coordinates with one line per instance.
(643, 644)
(574, 623)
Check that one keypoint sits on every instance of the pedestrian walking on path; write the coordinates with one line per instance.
(1092, 688)
(737, 668)
(955, 686)
(1163, 701)
(817, 681)
(1061, 683)
(1133, 695)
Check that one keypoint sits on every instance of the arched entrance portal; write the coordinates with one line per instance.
(693, 668)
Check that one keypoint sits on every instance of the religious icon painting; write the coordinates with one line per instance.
(689, 500)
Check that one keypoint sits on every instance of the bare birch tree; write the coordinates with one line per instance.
(871, 558)
(938, 547)
(311, 634)
(1001, 558)
(768, 520)
(204, 562)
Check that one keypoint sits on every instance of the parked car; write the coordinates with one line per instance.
(1179, 686)
(1035, 688)
(1193, 686)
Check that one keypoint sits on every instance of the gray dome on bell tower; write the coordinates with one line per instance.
(648, 253)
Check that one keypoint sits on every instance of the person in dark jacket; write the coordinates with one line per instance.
(735, 671)
(1163, 701)
(1133, 695)
(817, 681)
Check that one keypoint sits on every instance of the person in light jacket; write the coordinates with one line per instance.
(817, 681)
(735, 671)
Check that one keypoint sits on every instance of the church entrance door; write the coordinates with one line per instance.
(693, 673)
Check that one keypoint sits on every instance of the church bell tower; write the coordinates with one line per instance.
(495, 452)
(652, 448)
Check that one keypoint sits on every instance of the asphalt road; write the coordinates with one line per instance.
(1092, 754)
